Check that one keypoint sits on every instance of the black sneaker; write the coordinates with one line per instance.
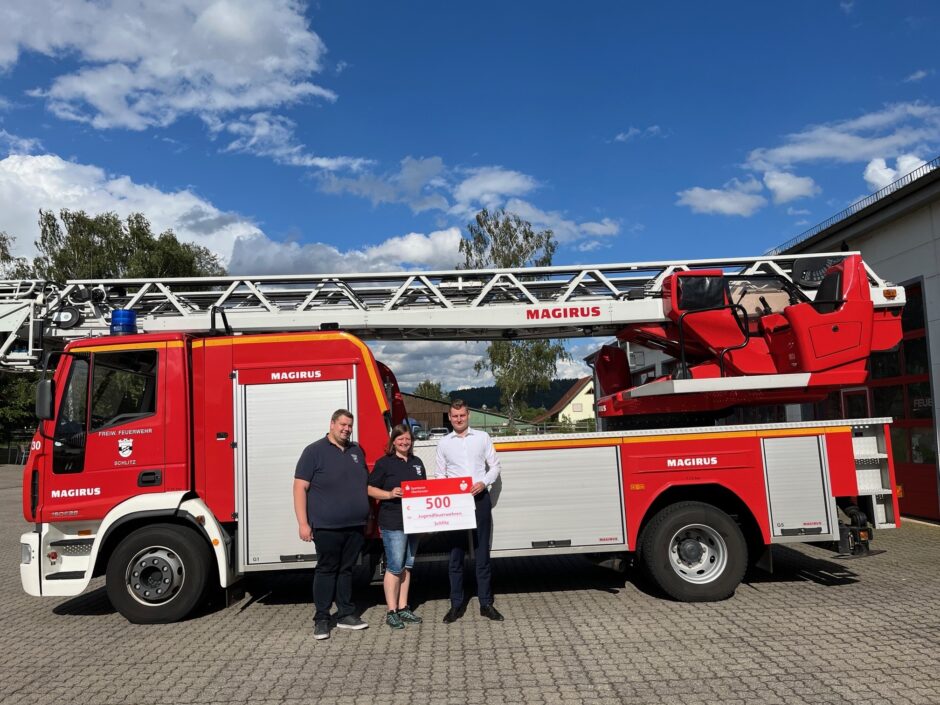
(321, 629)
(350, 622)
(407, 615)
(490, 612)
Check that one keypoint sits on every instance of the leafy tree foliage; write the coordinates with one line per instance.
(11, 267)
(502, 239)
(431, 390)
(17, 395)
(16, 390)
(79, 246)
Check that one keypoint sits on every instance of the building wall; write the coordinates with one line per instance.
(581, 407)
(909, 249)
(427, 412)
(904, 248)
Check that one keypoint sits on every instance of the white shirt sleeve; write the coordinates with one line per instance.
(441, 461)
(492, 463)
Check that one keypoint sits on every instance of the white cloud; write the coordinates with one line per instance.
(147, 64)
(591, 245)
(633, 133)
(893, 131)
(918, 75)
(490, 185)
(878, 174)
(565, 229)
(736, 198)
(797, 211)
(267, 135)
(787, 187)
(883, 133)
(578, 349)
(28, 183)
(420, 183)
(451, 362)
(13, 144)
(428, 184)
(847, 6)
(628, 135)
(448, 362)
(259, 254)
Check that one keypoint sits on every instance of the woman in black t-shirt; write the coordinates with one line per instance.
(397, 466)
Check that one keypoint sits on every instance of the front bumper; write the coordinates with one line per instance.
(29, 570)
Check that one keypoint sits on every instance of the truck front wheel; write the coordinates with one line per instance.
(694, 552)
(158, 574)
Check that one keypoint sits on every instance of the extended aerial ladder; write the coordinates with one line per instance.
(727, 321)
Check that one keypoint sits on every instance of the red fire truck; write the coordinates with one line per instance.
(164, 455)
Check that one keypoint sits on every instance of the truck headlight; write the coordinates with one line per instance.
(26, 555)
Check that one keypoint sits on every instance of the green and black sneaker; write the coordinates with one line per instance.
(407, 615)
(393, 619)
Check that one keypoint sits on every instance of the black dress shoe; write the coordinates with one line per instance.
(490, 612)
(453, 614)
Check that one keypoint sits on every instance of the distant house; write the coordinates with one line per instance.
(432, 413)
(577, 404)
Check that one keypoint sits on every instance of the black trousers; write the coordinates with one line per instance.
(337, 551)
(481, 545)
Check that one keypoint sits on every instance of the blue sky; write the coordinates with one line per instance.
(354, 136)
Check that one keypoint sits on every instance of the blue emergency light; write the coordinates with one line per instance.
(123, 321)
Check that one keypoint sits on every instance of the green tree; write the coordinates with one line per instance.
(431, 390)
(75, 245)
(18, 394)
(16, 390)
(11, 267)
(504, 240)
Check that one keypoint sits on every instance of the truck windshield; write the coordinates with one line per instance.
(68, 453)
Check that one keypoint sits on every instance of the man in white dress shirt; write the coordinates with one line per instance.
(461, 453)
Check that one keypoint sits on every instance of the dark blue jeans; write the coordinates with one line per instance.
(337, 551)
(481, 544)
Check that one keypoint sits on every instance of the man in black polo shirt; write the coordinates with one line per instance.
(332, 507)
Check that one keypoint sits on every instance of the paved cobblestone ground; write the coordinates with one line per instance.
(818, 631)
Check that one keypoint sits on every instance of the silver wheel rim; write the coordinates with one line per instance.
(698, 554)
(155, 576)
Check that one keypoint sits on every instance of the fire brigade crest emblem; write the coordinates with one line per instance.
(417, 470)
(125, 447)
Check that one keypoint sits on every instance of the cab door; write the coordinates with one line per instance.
(109, 438)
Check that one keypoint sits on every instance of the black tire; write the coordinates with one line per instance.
(694, 552)
(158, 574)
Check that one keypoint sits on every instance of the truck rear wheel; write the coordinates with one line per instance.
(694, 552)
(158, 574)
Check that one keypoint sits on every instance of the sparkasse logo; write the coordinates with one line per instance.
(691, 462)
(297, 374)
(80, 492)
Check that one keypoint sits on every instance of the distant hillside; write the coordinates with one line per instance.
(478, 396)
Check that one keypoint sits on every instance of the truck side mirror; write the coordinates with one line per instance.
(45, 400)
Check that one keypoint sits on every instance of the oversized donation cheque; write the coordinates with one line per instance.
(438, 505)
